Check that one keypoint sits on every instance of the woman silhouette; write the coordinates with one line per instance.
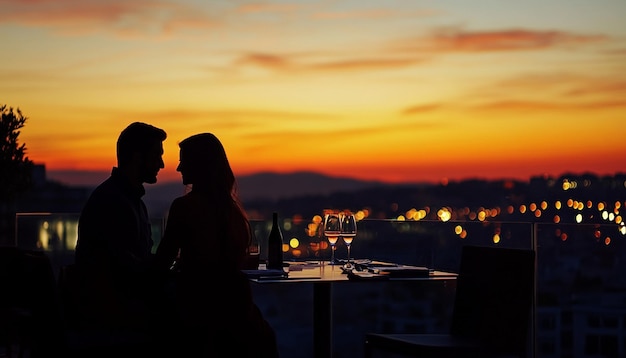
(206, 239)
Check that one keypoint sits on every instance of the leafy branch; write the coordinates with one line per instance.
(15, 166)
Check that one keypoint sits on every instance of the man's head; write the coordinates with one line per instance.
(140, 151)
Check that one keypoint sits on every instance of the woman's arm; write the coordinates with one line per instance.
(169, 245)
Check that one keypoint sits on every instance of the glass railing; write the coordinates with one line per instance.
(581, 288)
(57, 234)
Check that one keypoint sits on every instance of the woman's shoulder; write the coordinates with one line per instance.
(192, 207)
(184, 200)
(180, 206)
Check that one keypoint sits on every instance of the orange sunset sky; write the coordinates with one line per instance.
(398, 91)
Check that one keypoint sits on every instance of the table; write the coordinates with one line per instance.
(322, 276)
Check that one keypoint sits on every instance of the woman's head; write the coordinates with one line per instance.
(203, 163)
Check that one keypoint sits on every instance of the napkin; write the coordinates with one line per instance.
(403, 271)
(268, 273)
(366, 275)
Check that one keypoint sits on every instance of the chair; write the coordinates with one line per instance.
(492, 314)
(83, 339)
(29, 315)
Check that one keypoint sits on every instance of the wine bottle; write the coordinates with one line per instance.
(275, 246)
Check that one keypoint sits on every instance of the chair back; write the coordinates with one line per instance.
(29, 301)
(69, 299)
(494, 297)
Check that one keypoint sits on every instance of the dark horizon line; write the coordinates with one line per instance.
(77, 177)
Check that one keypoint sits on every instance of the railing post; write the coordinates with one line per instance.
(533, 322)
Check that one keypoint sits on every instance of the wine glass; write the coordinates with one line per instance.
(252, 261)
(332, 229)
(348, 232)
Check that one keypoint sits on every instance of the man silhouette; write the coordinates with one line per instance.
(114, 248)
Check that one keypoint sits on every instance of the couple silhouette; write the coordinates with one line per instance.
(189, 298)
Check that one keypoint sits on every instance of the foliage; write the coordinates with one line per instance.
(15, 167)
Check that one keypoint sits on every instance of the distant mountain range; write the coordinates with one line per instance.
(279, 186)
(270, 186)
(305, 193)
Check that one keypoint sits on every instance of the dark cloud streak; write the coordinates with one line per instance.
(289, 62)
(415, 51)
(537, 105)
(122, 18)
(454, 40)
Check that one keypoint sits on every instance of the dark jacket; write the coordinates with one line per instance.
(113, 252)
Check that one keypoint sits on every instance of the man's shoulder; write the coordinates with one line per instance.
(105, 197)
(107, 189)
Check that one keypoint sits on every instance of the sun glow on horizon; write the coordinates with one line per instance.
(400, 89)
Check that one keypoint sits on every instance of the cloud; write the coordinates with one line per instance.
(537, 81)
(124, 18)
(617, 52)
(409, 52)
(321, 11)
(361, 14)
(364, 64)
(570, 85)
(268, 8)
(299, 62)
(265, 60)
(519, 105)
(515, 105)
(607, 87)
(454, 40)
(372, 14)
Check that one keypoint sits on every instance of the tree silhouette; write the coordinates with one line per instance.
(15, 169)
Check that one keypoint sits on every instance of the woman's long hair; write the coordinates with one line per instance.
(213, 179)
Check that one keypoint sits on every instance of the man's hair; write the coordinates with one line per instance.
(137, 137)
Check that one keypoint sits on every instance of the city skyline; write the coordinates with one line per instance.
(401, 91)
